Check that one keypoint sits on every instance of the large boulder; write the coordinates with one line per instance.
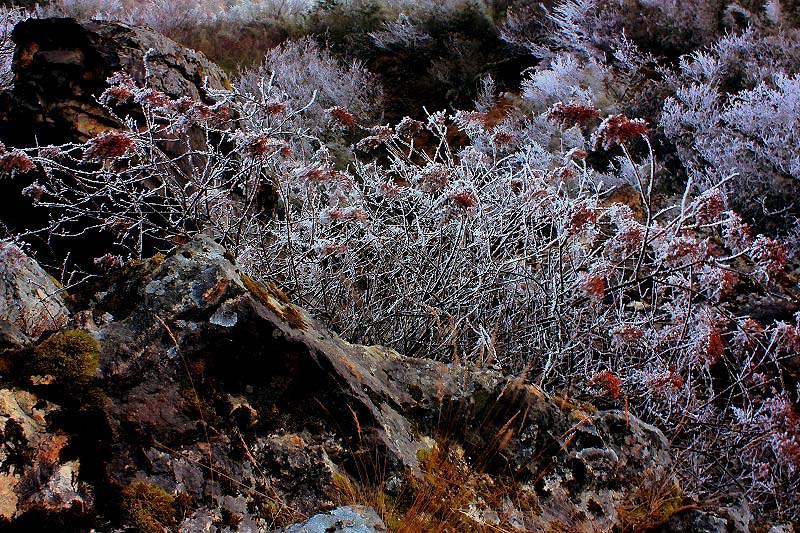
(61, 66)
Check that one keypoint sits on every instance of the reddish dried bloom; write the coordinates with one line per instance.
(118, 225)
(618, 129)
(593, 285)
(388, 189)
(463, 199)
(108, 262)
(117, 95)
(787, 338)
(368, 144)
(35, 191)
(663, 382)
(183, 105)
(342, 116)
(108, 145)
(434, 177)
(576, 154)
(50, 152)
(470, 119)
(682, 251)
(332, 249)
(737, 233)
(503, 138)
(609, 382)
(16, 161)
(580, 217)
(625, 335)
(344, 215)
(408, 127)
(122, 88)
(275, 108)
(709, 345)
(770, 256)
(709, 207)
(261, 145)
(219, 114)
(255, 145)
(719, 282)
(153, 98)
(319, 174)
(384, 133)
(573, 114)
(122, 79)
(629, 238)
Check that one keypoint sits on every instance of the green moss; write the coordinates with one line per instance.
(148, 508)
(69, 356)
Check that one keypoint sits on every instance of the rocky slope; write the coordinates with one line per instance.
(184, 394)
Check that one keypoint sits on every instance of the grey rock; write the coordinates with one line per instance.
(351, 519)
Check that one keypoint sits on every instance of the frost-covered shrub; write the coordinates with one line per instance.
(303, 73)
(9, 17)
(735, 112)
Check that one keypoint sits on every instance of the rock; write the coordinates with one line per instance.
(32, 475)
(61, 66)
(30, 302)
(351, 519)
(267, 417)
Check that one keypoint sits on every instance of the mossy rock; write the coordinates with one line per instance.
(148, 508)
(70, 356)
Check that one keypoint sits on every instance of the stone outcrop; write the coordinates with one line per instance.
(234, 406)
(61, 66)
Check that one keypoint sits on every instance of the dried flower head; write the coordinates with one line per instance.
(580, 216)
(108, 262)
(108, 145)
(502, 138)
(261, 145)
(593, 285)
(434, 177)
(737, 234)
(471, 120)
(770, 256)
(341, 116)
(463, 199)
(275, 108)
(609, 382)
(408, 127)
(573, 114)
(710, 206)
(15, 162)
(618, 130)
(35, 191)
